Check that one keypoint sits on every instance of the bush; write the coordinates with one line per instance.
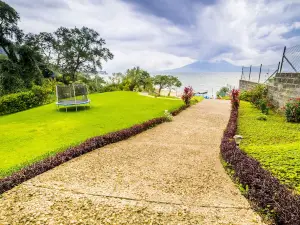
(24, 100)
(235, 101)
(292, 110)
(263, 106)
(262, 117)
(245, 96)
(187, 95)
(258, 97)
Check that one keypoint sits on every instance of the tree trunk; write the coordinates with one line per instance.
(169, 92)
(159, 90)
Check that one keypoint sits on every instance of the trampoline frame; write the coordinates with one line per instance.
(75, 102)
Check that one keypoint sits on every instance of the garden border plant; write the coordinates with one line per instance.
(89, 145)
(262, 188)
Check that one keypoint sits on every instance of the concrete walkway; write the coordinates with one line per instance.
(170, 174)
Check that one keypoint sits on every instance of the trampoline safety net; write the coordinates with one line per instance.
(72, 95)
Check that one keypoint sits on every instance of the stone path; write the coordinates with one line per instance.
(170, 174)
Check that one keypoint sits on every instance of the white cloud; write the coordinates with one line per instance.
(249, 29)
(134, 38)
(239, 31)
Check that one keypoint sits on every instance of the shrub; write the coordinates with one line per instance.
(292, 110)
(235, 101)
(263, 106)
(24, 100)
(245, 96)
(262, 117)
(168, 116)
(187, 95)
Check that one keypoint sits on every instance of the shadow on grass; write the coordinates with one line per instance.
(73, 109)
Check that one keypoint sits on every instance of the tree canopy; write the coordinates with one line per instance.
(30, 57)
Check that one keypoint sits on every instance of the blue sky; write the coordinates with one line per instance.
(166, 34)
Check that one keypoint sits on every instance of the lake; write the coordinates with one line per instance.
(213, 81)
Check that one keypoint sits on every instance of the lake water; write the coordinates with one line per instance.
(213, 81)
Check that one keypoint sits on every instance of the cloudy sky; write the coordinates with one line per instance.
(166, 34)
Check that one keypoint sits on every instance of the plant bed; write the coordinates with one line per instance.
(261, 188)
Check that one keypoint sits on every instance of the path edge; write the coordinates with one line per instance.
(88, 145)
(261, 188)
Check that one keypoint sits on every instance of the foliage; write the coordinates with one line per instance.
(187, 95)
(262, 117)
(258, 97)
(196, 99)
(137, 79)
(235, 101)
(292, 110)
(172, 82)
(168, 116)
(274, 143)
(161, 81)
(34, 134)
(24, 100)
(224, 91)
(265, 190)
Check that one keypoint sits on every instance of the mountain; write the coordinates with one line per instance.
(205, 66)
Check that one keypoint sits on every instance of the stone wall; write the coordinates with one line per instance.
(280, 88)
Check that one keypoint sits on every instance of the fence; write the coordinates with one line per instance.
(260, 73)
(290, 62)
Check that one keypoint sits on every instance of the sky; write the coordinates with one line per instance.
(165, 34)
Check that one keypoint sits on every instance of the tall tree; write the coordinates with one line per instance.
(9, 30)
(21, 67)
(79, 50)
(161, 81)
(173, 82)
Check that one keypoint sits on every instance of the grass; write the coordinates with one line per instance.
(274, 142)
(32, 135)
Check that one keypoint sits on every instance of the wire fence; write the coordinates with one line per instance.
(259, 73)
(290, 62)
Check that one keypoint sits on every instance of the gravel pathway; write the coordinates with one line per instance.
(170, 174)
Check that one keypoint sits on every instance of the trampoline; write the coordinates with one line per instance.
(73, 95)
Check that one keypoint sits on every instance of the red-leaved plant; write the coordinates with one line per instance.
(234, 96)
(187, 95)
(292, 110)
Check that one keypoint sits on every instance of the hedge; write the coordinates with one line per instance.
(263, 189)
(91, 144)
(21, 101)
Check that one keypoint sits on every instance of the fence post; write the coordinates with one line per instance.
(242, 73)
(250, 72)
(283, 55)
(259, 73)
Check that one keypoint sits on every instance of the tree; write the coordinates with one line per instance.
(43, 43)
(172, 82)
(79, 50)
(224, 91)
(116, 78)
(21, 68)
(161, 81)
(9, 30)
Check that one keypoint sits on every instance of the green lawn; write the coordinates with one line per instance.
(34, 134)
(274, 142)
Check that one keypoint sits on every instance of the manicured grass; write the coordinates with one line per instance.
(274, 142)
(31, 135)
